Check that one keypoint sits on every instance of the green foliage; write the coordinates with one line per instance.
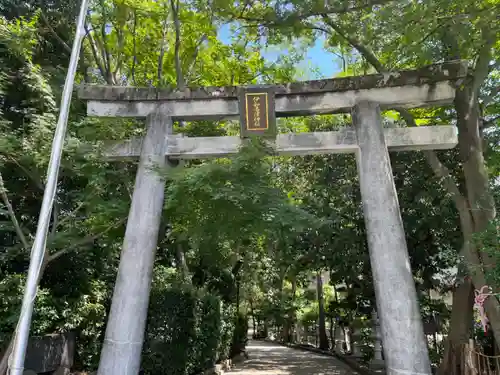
(488, 242)
(209, 331)
(85, 224)
(224, 205)
(226, 331)
(171, 332)
(188, 329)
(84, 315)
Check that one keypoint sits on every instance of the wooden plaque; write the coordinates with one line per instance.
(257, 112)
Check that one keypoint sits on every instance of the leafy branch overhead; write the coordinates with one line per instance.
(229, 198)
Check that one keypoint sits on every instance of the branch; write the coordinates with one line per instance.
(177, 25)
(86, 240)
(362, 49)
(12, 215)
(55, 217)
(46, 260)
(438, 168)
(271, 19)
(443, 172)
(430, 33)
(120, 55)
(489, 123)
(162, 50)
(107, 59)
(54, 33)
(36, 180)
(97, 58)
(312, 26)
(196, 52)
(134, 61)
(481, 67)
(69, 215)
(493, 93)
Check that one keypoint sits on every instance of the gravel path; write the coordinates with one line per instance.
(272, 359)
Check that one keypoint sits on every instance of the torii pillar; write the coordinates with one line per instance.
(122, 347)
(405, 346)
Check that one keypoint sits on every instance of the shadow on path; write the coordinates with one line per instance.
(271, 359)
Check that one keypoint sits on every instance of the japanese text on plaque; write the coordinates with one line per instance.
(256, 111)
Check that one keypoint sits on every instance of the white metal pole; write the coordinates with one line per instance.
(16, 365)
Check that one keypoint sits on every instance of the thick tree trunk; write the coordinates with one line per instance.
(460, 328)
(323, 338)
(475, 215)
(480, 200)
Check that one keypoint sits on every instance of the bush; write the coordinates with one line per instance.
(227, 331)
(208, 332)
(171, 332)
(188, 331)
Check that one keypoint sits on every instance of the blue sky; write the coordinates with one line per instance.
(318, 63)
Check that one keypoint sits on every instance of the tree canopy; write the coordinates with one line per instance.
(250, 232)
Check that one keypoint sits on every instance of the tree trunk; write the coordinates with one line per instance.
(460, 328)
(254, 322)
(290, 316)
(332, 331)
(475, 217)
(479, 196)
(323, 338)
(181, 261)
(280, 320)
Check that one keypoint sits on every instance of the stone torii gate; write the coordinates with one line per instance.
(404, 344)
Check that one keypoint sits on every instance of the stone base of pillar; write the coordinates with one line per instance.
(356, 348)
(340, 340)
(356, 340)
(339, 346)
(356, 352)
(377, 363)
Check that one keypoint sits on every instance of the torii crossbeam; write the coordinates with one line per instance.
(404, 343)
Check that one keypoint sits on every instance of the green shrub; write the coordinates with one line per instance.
(227, 331)
(208, 332)
(189, 330)
(171, 332)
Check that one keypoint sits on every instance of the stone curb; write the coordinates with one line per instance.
(348, 361)
(225, 365)
(218, 369)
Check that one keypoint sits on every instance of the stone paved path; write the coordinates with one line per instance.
(272, 359)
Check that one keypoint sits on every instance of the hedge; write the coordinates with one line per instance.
(188, 331)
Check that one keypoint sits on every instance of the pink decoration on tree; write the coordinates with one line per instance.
(480, 297)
